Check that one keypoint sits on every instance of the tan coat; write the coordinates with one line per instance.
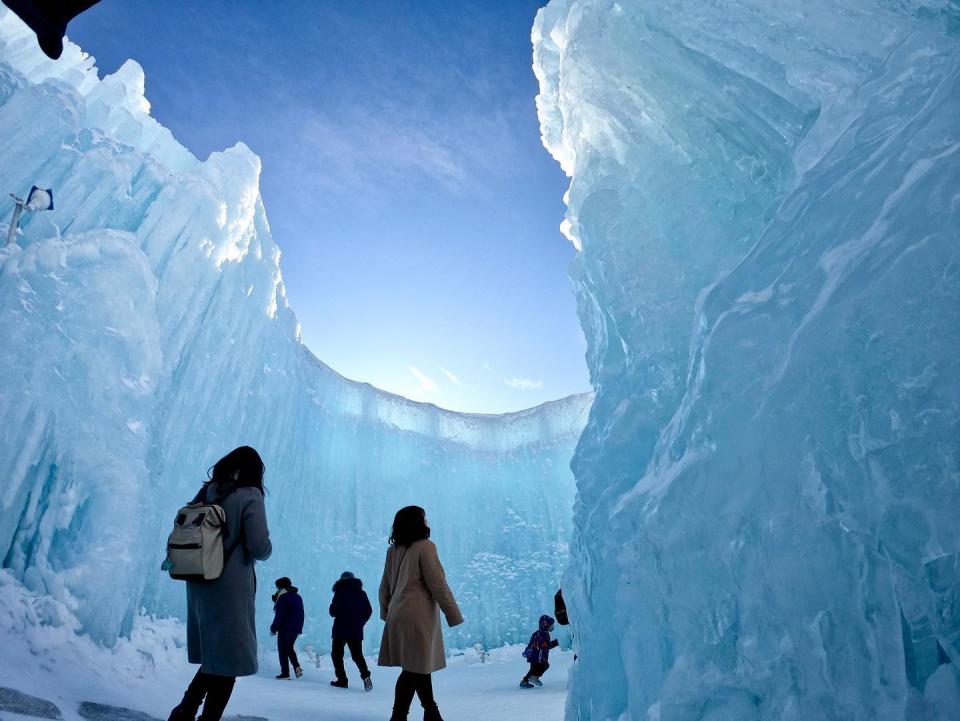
(412, 593)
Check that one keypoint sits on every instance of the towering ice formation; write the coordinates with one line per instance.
(146, 332)
(765, 195)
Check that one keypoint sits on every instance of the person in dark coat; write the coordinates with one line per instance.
(221, 616)
(287, 625)
(537, 653)
(351, 610)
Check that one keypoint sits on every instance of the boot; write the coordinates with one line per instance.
(403, 697)
(535, 680)
(340, 683)
(218, 695)
(524, 683)
(187, 709)
(432, 714)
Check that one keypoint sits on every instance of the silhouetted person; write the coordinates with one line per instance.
(287, 625)
(48, 19)
(413, 586)
(560, 611)
(221, 618)
(351, 610)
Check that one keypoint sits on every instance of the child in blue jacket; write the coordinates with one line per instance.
(537, 653)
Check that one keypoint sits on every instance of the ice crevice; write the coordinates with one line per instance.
(148, 332)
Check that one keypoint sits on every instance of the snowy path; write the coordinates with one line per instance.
(465, 692)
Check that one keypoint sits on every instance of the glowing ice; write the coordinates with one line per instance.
(769, 484)
(146, 332)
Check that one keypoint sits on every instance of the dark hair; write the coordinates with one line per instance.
(409, 525)
(283, 582)
(241, 467)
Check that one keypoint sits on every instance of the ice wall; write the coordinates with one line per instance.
(146, 332)
(765, 195)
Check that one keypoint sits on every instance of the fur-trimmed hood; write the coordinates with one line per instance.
(345, 584)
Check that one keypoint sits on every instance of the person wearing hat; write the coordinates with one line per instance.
(350, 610)
(287, 625)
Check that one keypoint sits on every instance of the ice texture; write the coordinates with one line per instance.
(765, 195)
(146, 333)
(27, 705)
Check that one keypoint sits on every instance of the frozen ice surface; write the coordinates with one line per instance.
(146, 332)
(105, 712)
(766, 198)
(26, 705)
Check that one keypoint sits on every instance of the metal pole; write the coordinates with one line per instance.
(15, 222)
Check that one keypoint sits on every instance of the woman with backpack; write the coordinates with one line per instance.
(413, 591)
(221, 626)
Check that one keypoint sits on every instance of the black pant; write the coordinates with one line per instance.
(356, 653)
(537, 669)
(287, 653)
(215, 689)
(408, 684)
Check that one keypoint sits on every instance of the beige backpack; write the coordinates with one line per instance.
(195, 545)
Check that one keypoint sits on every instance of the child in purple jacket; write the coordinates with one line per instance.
(537, 653)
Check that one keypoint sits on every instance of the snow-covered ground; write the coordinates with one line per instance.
(465, 690)
(43, 655)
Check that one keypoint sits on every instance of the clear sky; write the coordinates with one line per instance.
(403, 177)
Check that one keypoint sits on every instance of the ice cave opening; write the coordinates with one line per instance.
(152, 334)
(159, 268)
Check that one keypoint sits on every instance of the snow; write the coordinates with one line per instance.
(43, 656)
(153, 335)
(764, 197)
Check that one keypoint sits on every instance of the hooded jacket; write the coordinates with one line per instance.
(288, 613)
(350, 609)
(538, 650)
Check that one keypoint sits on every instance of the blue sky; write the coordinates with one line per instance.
(403, 176)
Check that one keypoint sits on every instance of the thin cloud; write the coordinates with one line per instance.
(368, 152)
(426, 382)
(523, 384)
(452, 376)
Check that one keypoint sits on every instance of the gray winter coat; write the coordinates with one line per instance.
(221, 624)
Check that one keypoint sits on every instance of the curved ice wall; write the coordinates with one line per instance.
(765, 195)
(146, 332)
